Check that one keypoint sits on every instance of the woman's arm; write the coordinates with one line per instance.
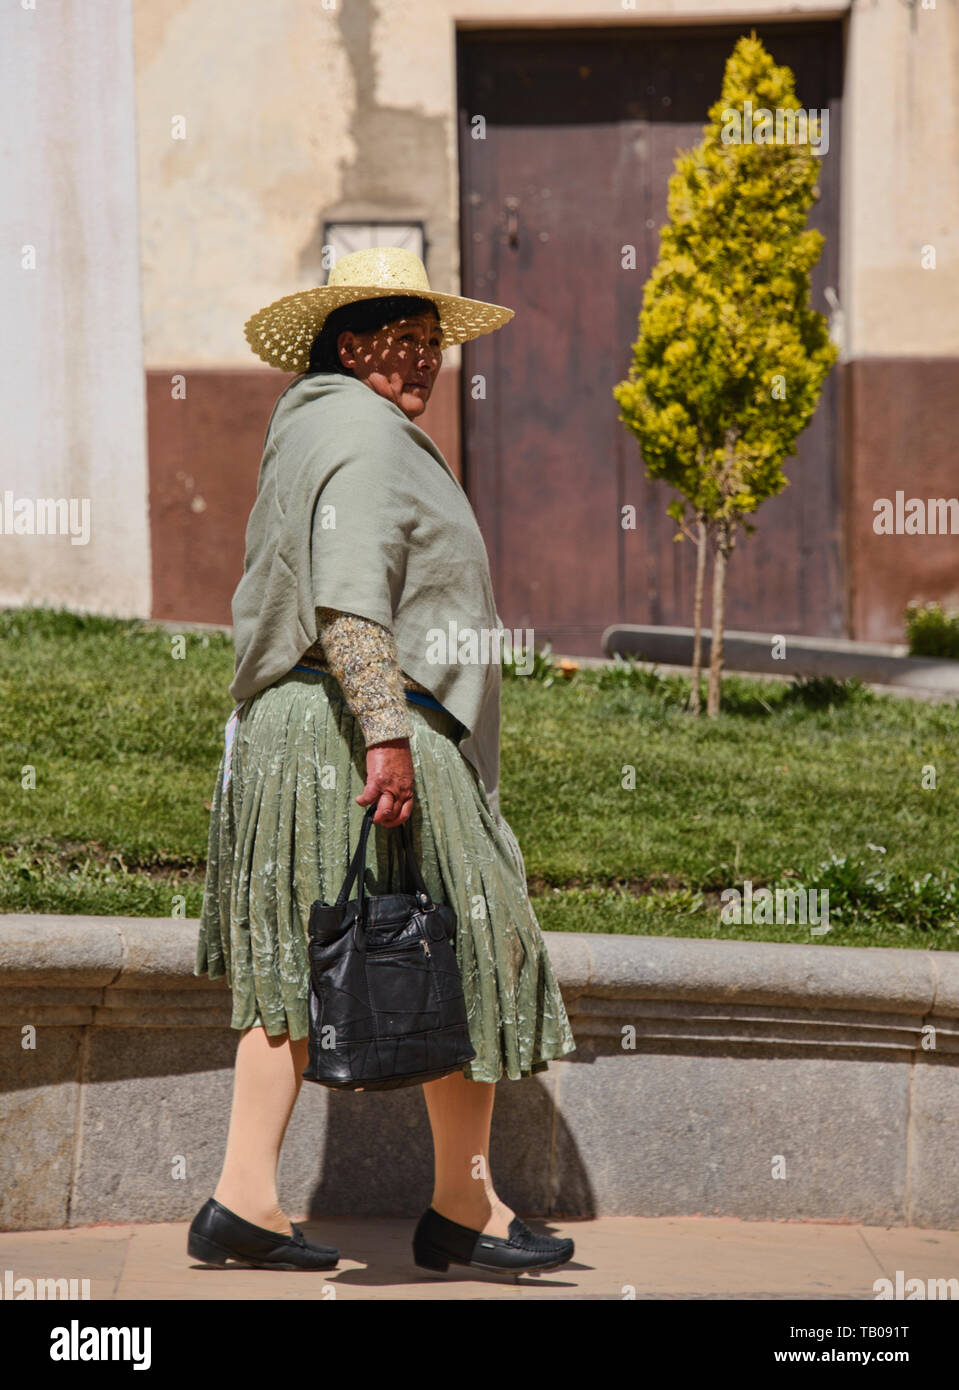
(362, 657)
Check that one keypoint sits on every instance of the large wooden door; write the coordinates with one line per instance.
(580, 133)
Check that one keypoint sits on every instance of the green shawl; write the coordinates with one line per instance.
(357, 509)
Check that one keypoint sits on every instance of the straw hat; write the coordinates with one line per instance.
(282, 333)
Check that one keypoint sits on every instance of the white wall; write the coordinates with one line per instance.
(299, 110)
(901, 180)
(72, 401)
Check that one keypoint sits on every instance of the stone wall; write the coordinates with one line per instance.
(836, 1067)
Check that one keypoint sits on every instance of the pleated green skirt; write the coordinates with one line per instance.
(283, 822)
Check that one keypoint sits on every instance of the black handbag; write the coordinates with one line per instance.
(386, 1000)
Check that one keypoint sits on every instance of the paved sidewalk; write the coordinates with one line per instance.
(672, 1258)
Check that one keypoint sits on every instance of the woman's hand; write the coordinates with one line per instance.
(389, 782)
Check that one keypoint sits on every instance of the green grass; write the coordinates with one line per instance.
(816, 783)
(125, 740)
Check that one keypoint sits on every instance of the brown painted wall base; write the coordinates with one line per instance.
(902, 422)
(204, 454)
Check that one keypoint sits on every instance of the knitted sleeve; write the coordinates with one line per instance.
(362, 656)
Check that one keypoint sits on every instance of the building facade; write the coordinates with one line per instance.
(192, 160)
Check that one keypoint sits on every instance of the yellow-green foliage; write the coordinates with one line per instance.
(726, 310)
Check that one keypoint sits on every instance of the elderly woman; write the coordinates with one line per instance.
(361, 548)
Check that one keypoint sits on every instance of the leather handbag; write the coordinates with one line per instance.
(386, 1000)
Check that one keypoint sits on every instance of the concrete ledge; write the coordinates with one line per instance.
(702, 1068)
(873, 663)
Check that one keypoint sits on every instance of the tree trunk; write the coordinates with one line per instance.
(695, 701)
(722, 546)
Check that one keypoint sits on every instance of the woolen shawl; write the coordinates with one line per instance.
(358, 510)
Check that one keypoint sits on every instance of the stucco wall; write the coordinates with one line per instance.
(304, 111)
(71, 388)
(296, 112)
(901, 180)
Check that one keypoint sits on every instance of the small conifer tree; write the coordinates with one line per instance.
(730, 358)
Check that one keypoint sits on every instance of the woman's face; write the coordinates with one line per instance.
(400, 361)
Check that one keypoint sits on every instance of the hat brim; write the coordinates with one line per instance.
(282, 334)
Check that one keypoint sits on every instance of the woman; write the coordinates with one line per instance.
(362, 552)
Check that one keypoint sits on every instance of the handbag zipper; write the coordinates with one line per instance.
(409, 946)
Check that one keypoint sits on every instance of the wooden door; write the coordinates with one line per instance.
(581, 131)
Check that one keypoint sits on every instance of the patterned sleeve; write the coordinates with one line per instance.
(362, 656)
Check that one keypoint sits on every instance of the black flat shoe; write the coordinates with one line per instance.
(438, 1243)
(218, 1235)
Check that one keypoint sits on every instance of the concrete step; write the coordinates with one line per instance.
(871, 662)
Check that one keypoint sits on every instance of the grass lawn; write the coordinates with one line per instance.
(818, 785)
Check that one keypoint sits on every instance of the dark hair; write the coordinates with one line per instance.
(364, 316)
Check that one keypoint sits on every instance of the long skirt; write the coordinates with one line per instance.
(283, 822)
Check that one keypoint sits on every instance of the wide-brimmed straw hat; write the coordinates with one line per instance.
(283, 333)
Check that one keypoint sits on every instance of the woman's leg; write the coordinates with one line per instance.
(460, 1112)
(266, 1084)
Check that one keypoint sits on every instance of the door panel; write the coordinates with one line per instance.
(581, 130)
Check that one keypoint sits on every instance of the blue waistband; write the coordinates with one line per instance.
(416, 697)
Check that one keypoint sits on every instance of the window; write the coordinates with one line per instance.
(344, 237)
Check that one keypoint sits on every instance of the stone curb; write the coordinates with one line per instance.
(50, 951)
(872, 663)
(138, 972)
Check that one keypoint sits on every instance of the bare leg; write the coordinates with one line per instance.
(460, 1112)
(266, 1084)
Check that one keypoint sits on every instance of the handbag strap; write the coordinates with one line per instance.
(410, 869)
(359, 858)
(411, 872)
